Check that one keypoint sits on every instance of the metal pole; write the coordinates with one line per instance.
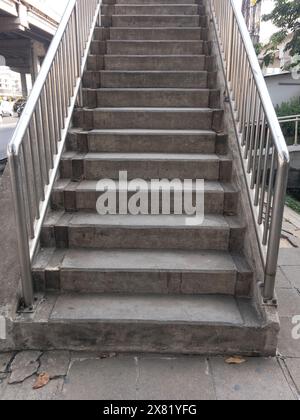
(275, 231)
(21, 226)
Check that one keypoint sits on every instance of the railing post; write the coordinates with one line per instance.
(296, 131)
(230, 46)
(275, 231)
(78, 38)
(21, 226)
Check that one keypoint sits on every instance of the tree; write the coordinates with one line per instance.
(286, 16)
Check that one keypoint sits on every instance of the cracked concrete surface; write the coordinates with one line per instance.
(290, 229)
(151, 377)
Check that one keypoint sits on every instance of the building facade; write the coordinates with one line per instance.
(10, 83)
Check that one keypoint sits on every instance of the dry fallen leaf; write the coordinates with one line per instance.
(235, 360)
(42, 380)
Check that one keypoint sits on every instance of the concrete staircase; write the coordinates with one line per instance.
(146, 283)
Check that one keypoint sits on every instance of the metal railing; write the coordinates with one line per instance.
(38, 142)
(263, 148)
(292, 119)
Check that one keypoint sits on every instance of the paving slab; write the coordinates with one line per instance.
(5, 359)
(106, 379)
(288, 346)
(293, 366)
(288, 302)
(289, 257)
(257, 379)
(183, 378)
(217, 309)
(282, 280)
(55, 363)
(25, 391)
(24, 365)
(293, 275)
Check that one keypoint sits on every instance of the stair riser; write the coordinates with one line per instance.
(155, 120)
(146, 10)
(154, 63)
(154, 48)
(101, 169)
(83, 200)
(162, 283)
(193, 80)
(106, 237)
(163, 34)
(140, 98)
(159, 21)
(142, 143)
(127, 337)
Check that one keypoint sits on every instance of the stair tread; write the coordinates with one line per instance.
(143, 156)
(150, 71)
(93, 219)
(135, 89)
(217, 310)
(153, 41)
(147, 260)
(154, 109)
(144, 131)
(91, 185)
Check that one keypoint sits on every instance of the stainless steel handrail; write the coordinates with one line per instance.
(294, 119)
(38, 142)
(263, 148)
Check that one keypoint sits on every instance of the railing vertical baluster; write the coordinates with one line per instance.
(22, 239)
(258, 131)
(38, 142)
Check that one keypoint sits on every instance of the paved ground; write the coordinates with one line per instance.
(79, 376)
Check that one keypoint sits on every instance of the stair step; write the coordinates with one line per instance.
(155, 63)
(146, 98)
(162, 34)
(142, 272)
(90, 230)
(77, 196)
(145, 79)
(163, 21)
(159, 324)
(96, 166)
(154, 47)
(149, 118)
(142, 141)
(146, 2)
(157, 9)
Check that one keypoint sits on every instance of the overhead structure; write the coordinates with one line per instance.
(26, 30)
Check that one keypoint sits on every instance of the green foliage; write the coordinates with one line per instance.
(286, 109)
(286, 16)
(293, 204)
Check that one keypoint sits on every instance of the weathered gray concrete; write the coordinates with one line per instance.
(55, 364)
(9, 263)
(24, 366)
(156, 34)
(258, 379)
(154, 62)
(91, 376)
(143, 141)
(127, 98)
(159, 21)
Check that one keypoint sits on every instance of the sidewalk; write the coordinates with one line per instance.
(128, 377)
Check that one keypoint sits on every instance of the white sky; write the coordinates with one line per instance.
(267, 29)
